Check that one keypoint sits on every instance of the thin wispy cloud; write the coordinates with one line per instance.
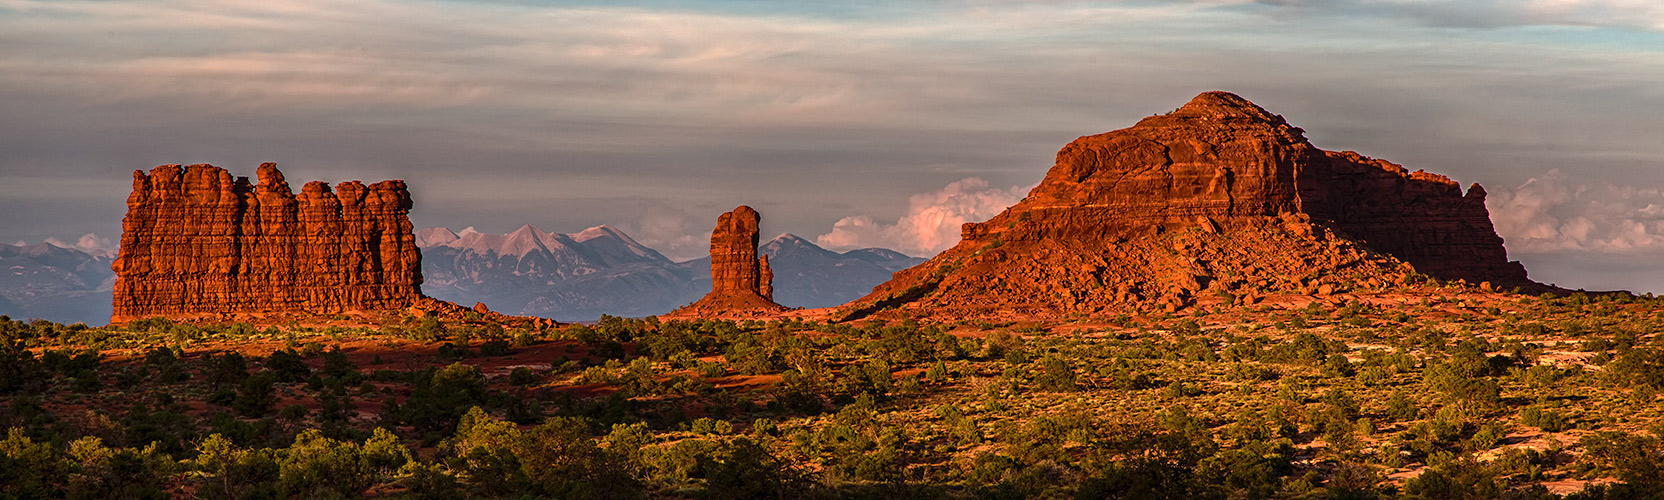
(1631, 14)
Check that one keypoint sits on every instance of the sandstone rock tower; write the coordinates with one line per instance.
(1217, 201)
(765, 286)
(198, 243)
(741, 281)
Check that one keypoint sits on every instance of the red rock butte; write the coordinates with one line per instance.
(741, 281)
(198, 243)
(1218, 196)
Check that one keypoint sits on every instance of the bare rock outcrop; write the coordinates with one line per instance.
(197, 242)
(765, 282)
(1219, 200)
(741, 282)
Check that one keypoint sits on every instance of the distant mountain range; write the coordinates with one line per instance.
(806, 275)
(600, 270)
(51, 282)
(568, 277)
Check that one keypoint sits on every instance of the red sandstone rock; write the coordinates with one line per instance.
(765, 285)
(741, 282)
(1219, 196)
(197, 242)
(479, 314)
(734, 268)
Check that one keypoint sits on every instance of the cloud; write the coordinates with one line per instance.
(932, 222)
(1625, 14)
(1555, 213)
(674, 233)
(574, 115)
(89, 243)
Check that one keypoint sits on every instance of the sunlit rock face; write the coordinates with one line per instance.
(1218, 195)
(741, 281)
(198, 242)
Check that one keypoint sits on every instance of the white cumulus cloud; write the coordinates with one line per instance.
(932, 222)
(1555, 213)
(676, 234)
(89, 243)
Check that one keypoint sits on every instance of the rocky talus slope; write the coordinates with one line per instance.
(1218, 201)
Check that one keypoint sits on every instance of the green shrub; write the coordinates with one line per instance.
(1546, 419)
(1055, 376)
(287, 366)
(1254, 471)
(522, 376)
(230, 472)
(1337, 366)
(1637, 460)
(1464, 479)
(495, 348)
(1400, 408)
(319, 466)
(97, 471)
(256, 395)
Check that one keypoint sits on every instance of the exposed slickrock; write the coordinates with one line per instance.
(1218, 201)
(741, 282)
(198, 242)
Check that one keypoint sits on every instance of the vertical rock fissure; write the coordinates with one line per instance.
(741, 281)
(195, 243)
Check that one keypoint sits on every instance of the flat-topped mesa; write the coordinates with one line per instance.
(1219, 195)
(198, 243)
(741, 281)
(1219, 156)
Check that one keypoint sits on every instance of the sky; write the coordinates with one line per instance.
(851, 123)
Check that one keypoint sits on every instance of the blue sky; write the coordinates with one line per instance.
(858, 123)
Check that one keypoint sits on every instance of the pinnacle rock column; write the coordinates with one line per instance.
(741, 281)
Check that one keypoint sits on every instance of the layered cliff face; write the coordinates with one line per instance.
(734, 266)
(741, 281)
(765, 281)
(198, 242)
(1219, 200)
(1424, 219)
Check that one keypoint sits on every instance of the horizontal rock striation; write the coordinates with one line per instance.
(1422, 218)
(198, 242)
(741, 281)
(1219, 196)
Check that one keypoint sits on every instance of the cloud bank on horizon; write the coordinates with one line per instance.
(1553, 213)
(932, 222)
(840, 119)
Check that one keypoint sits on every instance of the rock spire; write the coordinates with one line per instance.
(741, 281)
